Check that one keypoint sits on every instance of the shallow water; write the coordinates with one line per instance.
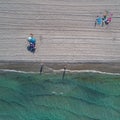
(79, 96)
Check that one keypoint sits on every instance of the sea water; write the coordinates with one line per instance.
(86, 95)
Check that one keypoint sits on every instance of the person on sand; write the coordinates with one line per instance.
(105, 15)
(32, 42)
(109, 19)
(98, 21)
(31, 39)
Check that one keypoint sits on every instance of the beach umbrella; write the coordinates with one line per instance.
(32, 39)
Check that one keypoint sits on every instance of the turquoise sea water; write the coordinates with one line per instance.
(79, 96)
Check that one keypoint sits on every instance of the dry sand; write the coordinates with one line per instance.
(64, 31)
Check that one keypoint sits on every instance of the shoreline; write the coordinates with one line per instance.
(34, 66)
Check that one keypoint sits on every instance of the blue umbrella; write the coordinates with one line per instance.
(31, 39)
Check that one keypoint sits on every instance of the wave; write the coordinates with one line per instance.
(86, 71)
(61, 70)
(18, 71)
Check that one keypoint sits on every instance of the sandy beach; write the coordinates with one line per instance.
(89, 89)
(65, 34)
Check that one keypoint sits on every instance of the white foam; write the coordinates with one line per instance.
(67, 70)
(18, 71)
(86, 71)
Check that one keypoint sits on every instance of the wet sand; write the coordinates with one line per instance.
(30, 66)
